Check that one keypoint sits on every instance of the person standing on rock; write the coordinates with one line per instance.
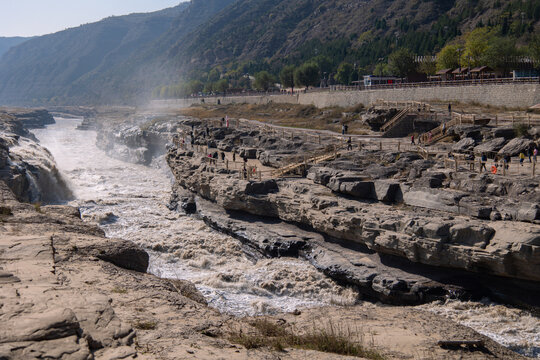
(449, 108)
(227, 121)
(343, 129)
(349, 144)
(222, 156)
(412, 139)
(521, 158)
(535, 153)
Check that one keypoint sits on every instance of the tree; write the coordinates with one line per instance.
(476, 44)
(381, 69)
(448, 57)
(401, 62)
(344, 73)
(534, 49)
(307, 74)
(221, 85)
(428, 67)
(286, 76)
(500, 54)
(324, 62)
(214, 75)
(195, 86)
(264, 80)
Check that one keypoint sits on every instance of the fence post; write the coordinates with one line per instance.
(399, 146)
(292, 135)
(227, 164)
(380, 145)
(319, 139)
(496, 120)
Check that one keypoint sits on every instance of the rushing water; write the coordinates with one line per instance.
(129, 201)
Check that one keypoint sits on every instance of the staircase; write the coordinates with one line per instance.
(395, 120)
(314, 160)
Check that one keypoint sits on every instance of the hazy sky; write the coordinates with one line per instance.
(38, 17)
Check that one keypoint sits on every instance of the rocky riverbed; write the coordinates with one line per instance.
(89, 296)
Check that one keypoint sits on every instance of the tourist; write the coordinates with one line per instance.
(349, 144)
(430, 135)
(506, 161)
(207, 130)
(222, 156)
(484, 160)
(234, 156)
(444, 128)
(343, 129)
(449, 108)
(412, 139)
(528, 154)
(227, 120)
(222, 121)
(535, 154)
(521, 158)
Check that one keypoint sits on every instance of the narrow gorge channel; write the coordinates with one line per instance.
(130, 202)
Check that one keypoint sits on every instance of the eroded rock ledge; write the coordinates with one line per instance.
(398, 206)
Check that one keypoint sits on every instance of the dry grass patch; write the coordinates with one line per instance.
(325, 338)
(289, 115)
(145, 325)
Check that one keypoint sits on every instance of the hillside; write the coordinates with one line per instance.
(122, 59)
(7, 43)
(362, 31)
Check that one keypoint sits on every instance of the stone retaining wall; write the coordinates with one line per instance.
(509, 95)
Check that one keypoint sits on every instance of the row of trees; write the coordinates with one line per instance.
(482, 46)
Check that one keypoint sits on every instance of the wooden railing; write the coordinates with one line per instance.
(393, 121)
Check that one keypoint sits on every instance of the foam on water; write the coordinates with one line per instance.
(516, 329)
(129, 201)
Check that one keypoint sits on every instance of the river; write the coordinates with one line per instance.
(129, 201)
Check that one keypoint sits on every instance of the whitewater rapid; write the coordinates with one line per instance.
(129, 201)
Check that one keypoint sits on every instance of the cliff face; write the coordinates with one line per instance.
(398, 206)
(26, 167)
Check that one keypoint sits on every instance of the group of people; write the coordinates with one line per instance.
(502, 161)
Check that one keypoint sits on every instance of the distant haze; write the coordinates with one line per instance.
(39, 17)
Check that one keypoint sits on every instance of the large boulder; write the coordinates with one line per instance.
(516, 146)
(261, 187)
(435, 199)
(387, 191)
(490, 146)
(353, 186)
(464, 144)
